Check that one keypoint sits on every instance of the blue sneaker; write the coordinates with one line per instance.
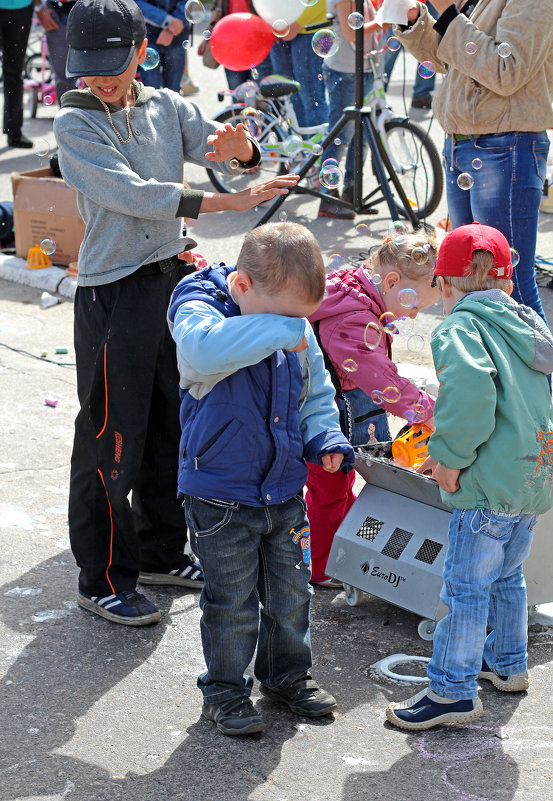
(517, 683)
(188, 576)
(129, 607)
(427, 709)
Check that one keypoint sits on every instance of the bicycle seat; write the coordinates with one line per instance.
(278, 86)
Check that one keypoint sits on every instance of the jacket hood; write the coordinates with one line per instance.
(83, 98)
(520, 326)
(348, 290)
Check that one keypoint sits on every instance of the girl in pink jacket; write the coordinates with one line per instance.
(355, 325)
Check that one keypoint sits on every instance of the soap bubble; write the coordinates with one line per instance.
(465, 181)
(324, 43)
(309, 3)
(477, 164)
(363, 229)
(292, 144)
(393, 44)
(48, 246)
(334, 261)
(504, 50)
(337, 142)
(515, 257)
(349, 365)
(152, 59)
(407, 298)
(330, 163)
(317, 150)
(388, 323)
(471, 48)
(372, 335)
(51, 208)
(330, 177)
(251, 121)
(207, 35)
(41, 147)
(320, 77)
(355, 20)
(376, 396)
(48, 100)
(281, 28)
(376, 278)
(186, 44)
(404, 325)
(255, 73)
(391, 394)
(415, 343)
(419, 255)
(426, 69)
(282, 216)
(397, 228)
(194, 11)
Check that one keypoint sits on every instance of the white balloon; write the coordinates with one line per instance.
(271, 10)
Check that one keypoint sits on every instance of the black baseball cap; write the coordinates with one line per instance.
(102, 35)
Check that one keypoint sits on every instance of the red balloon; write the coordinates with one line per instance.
(240, 41)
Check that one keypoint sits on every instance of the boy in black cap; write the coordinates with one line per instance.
(122, 146)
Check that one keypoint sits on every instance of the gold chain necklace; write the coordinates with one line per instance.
(127, 113)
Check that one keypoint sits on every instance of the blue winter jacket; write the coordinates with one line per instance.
(252, 411)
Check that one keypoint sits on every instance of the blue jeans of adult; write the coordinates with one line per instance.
(297, 60)
(256, 593)
(57, 50)
(170, 69)
(483, 583)
(506, 195)
(340, 87)
(236, 77)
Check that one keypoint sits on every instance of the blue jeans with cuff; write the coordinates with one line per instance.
(297, 60)
(506, 195)
(256, 593)
(483, 583)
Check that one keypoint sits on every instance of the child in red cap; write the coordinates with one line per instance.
(492, 455)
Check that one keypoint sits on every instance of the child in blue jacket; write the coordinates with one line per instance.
(256, 403)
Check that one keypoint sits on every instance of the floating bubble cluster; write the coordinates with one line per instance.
(391, 394)
(397, 228)
(471, 48)
(388, 322)
(324, 43)
(349, 365)
(420, 254)
(465, 181)
(330, 174)
(372, 335)
(477, 164)
(152, 59)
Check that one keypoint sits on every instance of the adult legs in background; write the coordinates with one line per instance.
(15, 25)
(297, 60)
(170, 69)
(483, 563)
(57, 51)
(329, 498)
(508, 171)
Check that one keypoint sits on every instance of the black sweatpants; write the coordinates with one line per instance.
(15, 25)
(126, 433)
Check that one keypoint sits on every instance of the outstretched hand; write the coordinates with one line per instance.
(229, 143)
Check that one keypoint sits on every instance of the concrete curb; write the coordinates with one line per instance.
(50, 279)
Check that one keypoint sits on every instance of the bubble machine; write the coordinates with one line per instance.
(393, 542)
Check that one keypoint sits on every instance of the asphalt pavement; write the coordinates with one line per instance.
(92, 711)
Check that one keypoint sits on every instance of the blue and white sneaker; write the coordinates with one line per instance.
(516, 683)
(189, 576)
(129, 607)
(427, 709)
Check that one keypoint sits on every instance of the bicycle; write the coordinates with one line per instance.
(39, 88)
(267, 112)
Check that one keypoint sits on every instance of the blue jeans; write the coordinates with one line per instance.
(236, 77)
(256, 592)
(422, 87)
(341, 93)
(297, 60)
(483, 583)
(506, 194)
(170, 69)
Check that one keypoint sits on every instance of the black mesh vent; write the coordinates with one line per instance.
(428, 551)
(397, 543)
(370, 528)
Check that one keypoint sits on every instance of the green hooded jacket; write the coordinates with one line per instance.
(493, 414)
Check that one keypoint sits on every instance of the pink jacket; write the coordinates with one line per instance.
(350, 303)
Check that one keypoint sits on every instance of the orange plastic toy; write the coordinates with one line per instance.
(36, 259)
(410, 450)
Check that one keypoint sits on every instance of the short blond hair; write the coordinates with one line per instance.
(400, 253)
(277, 256)
(476, 275)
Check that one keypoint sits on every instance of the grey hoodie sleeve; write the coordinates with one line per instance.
(543, 360)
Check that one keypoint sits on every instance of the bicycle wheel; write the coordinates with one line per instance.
(33, 68)
(417, 164)
(269, 133)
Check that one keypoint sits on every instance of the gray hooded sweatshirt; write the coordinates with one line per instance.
(131, 197)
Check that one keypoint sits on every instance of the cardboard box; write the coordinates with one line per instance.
(44, 207)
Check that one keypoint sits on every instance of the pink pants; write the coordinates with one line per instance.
(329, 497)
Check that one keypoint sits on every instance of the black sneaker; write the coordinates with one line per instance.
(129, 607)
(303, 696)
(517, 683)
(19, 140)
(188, 576)
(329, 209)
(427, 709)
(234, 717)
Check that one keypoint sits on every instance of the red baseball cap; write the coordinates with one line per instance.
(456, 251)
